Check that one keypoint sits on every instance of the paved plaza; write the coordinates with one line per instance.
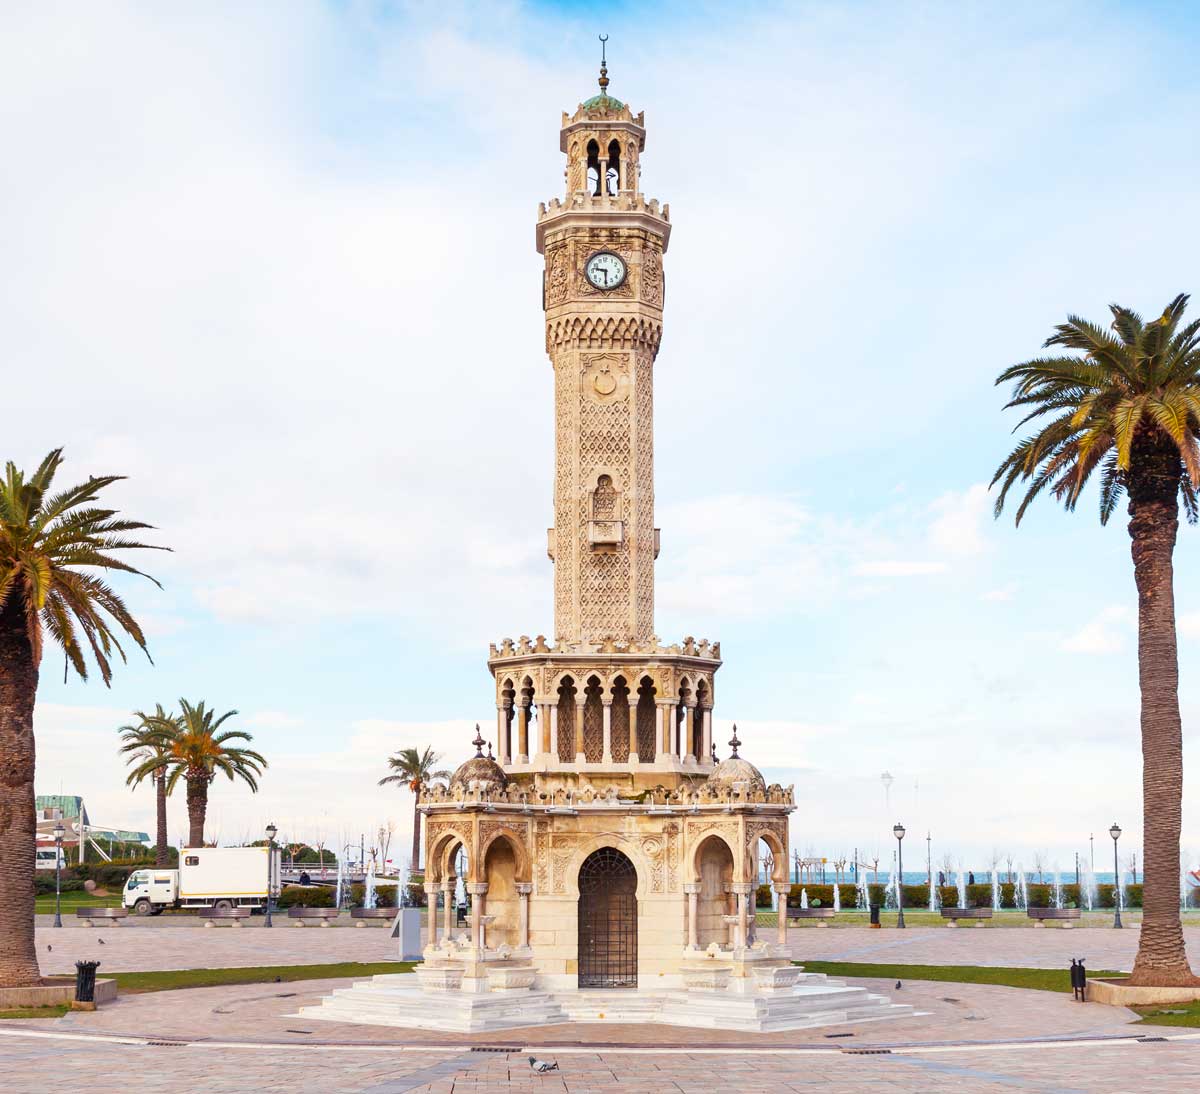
(247, 1037)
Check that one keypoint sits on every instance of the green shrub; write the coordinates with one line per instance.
(1133, 896)
(762, 896)
(385, 896)
(299, 896)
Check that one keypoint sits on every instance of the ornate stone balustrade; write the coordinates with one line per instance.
(525, 646)
(683, 798)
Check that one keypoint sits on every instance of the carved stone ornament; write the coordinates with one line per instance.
(605, 377)
(652, 277)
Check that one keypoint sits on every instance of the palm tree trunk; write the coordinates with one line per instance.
(197, 807)
(160, 843)
(18, 817)
(416, 846)
(1153, 524)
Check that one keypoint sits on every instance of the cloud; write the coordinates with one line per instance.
(1106, 633)
(961, 516)
(272, 719)
(898, 568)
(1004, 593)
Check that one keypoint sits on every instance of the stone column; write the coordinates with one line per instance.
(448, 915)
(523, 734)
(663, 712)
(580, 702)
(502, 734)
(692, 888)
(689, 727)
(606, 754)
(545, 720)
(705, 735)
(633, 736)
(524, 888)
(554, 731)
(742, 890)
(431, 895)
(478, 891)
(781, 895)
(730, 911)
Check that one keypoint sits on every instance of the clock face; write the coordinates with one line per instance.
(605, 270)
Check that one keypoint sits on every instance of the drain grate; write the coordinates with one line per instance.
(297, 1031)
(867, 1051)
(832, 1035)
(495, 1048)
(166, 1044)
(1149, 1040)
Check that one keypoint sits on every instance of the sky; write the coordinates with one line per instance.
(275, 262)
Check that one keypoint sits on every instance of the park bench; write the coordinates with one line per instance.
(372, 917)
(318, 917)
(817, 914)
(224, 917)
(1062, 916)
(107, 917)
(979, 915)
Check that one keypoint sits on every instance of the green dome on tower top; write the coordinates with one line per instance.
(603, 101)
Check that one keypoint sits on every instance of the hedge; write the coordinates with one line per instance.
(300, 896)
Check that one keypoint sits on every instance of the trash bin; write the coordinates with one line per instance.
(1078, 979)
(874, 915)
(85, 981)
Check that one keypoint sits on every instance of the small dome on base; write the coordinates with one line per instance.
(479, 769)
(736, 770)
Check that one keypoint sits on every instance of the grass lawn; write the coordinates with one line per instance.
(44, 902)
(1035, 979)
(1177, 1014)
(264, 974)
(56, 1011)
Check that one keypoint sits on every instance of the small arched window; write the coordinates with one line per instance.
(604, 499)
(613, 175)
(595, 175)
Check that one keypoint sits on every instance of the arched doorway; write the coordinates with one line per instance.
(607, 921)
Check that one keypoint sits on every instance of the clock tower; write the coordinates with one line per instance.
(603, 298)
(605, 701)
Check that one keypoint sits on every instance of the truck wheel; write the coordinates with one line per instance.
(143, 907)
(223, 906)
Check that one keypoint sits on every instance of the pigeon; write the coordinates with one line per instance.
(540, 1067)
(897, 985)
(101, 941)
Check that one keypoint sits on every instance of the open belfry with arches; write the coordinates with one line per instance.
(610, 858)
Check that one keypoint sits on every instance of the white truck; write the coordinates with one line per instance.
(208, 877)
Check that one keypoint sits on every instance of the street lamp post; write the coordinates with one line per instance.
(271, 830)
(1115, 832)
(59, 832)
(898, 832)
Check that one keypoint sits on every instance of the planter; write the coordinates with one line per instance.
(977, 915)
(777, 977)
(1116, 992)
(52, 994)
(1062, 916)
(373, 917)
(320, 917)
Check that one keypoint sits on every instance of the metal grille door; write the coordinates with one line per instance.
(607, 921)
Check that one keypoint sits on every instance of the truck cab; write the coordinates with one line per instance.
(148, 892)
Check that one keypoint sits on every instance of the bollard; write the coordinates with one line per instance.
(1078, 979)
(85, 985)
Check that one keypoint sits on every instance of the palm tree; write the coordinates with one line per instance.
(51, 546)
(1129, 405)
(145, 745)
(413, 768)
(197, 753)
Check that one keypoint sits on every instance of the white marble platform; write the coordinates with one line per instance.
(398, 1000)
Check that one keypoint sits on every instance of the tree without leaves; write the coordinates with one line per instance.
(197, 753)
(52, 549)
(412, 769)
(142, 745)
(1129, 407)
